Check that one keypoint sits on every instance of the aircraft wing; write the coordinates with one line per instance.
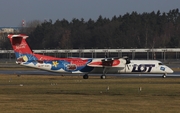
(107, 62)
(109, 59)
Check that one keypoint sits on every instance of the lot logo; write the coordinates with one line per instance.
(142, 67)
(162, 68)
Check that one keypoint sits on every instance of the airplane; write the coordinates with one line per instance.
(26, 57)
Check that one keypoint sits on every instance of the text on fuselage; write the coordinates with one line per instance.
(143, 67)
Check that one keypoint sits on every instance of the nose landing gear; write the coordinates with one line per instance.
(164, 75)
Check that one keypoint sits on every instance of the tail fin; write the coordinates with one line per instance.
(22, 50)
(20, 45)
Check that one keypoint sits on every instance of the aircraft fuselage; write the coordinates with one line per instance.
(80, 66)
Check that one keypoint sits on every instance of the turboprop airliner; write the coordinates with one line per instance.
(26, 57)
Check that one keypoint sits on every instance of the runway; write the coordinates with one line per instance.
(41, 72)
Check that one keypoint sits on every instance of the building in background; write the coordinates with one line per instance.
(9, 29)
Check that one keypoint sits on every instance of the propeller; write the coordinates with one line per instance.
(128, 61)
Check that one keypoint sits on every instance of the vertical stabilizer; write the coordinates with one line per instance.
(20, 45)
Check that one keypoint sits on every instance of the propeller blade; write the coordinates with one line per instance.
(127, 66)
(127, 60)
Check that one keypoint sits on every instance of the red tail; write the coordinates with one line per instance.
(19, 44)
(21, 48)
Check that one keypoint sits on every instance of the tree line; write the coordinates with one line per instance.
(131, 30)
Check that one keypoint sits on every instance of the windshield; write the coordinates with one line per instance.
(160, 63)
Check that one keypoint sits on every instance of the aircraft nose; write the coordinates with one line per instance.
(169, 70)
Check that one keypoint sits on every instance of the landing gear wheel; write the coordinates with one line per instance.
(85, 76)
(164, 76)
(103, 76)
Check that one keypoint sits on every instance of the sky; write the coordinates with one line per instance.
(12, 12)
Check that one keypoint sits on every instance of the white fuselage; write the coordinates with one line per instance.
(138, 67)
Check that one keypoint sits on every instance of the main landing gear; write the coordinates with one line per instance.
(86, 76)
(103, 76)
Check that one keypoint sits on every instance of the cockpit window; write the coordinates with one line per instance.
(160, 63)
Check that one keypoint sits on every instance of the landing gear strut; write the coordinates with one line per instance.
(103, 76)
(85, 76)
